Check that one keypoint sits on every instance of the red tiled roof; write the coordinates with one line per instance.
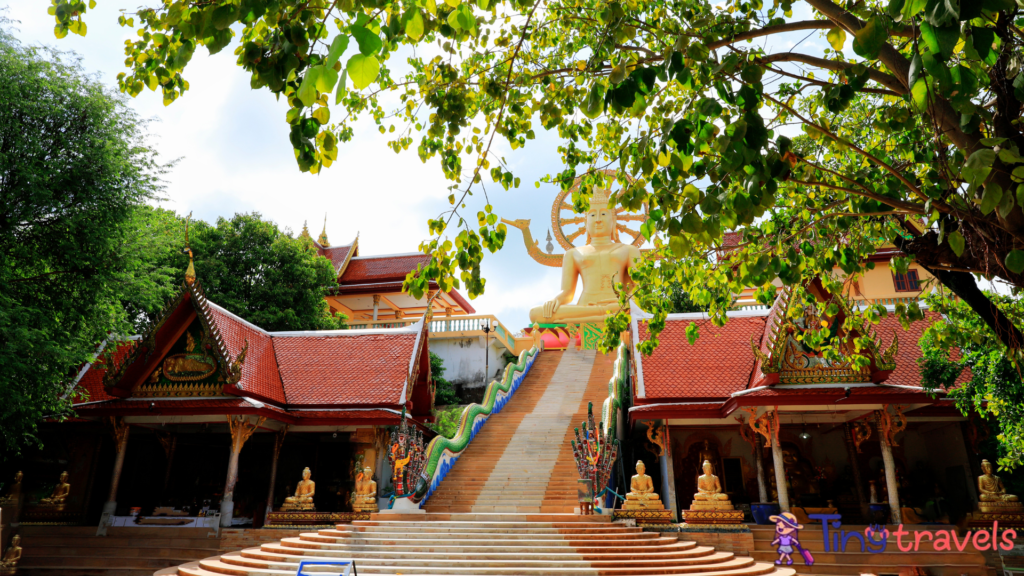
(715, 366)
(908, 356)
(336, 254)
(381, 268)
(260, 376)
(92, 380)
(345, 370)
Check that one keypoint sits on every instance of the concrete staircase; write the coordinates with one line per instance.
(970, 562)
(521, 460)
(483, 545)
(77, 551)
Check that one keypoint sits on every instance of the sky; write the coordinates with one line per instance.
(233, 153)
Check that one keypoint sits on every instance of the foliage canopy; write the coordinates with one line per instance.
(74, 171)
(916, 135)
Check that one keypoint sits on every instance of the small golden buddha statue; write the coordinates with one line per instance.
(709, 494)
(13, 496)
(303, 498)
(365, 498)
(9, 563)
(60, 494)
(601, 263)
(992, 495)
(641, 491)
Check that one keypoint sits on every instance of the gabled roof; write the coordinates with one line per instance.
(384, 268)
(286, 371)
(720, 372)
(339, 255)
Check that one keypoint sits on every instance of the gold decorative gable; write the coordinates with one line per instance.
(189, 370)
(788, 360)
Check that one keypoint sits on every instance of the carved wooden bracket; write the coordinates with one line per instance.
(888, 426)
(656, 435)
(766, 424)
(859, 433)
(242, 429)
(119, 430)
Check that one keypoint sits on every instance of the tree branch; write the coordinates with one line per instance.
(891, 82)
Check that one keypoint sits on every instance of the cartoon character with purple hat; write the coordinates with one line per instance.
(786, 530)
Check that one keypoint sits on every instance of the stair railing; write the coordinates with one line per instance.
(442, 453)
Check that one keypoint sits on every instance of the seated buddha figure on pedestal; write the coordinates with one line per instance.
(365, 498)
(60, 494)
(992, 496)
(600, 263)
(709, 494)
(304, 492)
(641, 494)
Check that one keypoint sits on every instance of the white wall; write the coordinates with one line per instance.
(464, 360)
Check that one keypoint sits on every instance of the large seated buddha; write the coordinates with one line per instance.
(600, 263)
(709, 494)
(641, 494)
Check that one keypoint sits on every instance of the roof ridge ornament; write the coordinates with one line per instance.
(322, 240)
(190, 272)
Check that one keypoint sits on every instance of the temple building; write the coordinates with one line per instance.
(207, 411)
(474, 347)
(781, 423)
(370, 287)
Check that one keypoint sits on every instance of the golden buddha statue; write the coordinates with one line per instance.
(60, 494)
(303, 498)
(13, 496)
(641, 491)
(600, 263)
(992, 496)
(12, 555)
(709, 494)
(365, 498)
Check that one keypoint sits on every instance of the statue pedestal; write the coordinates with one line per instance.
(712, 516)
(1009, 519)
(645, 517)
(299, 519)
(404, 506)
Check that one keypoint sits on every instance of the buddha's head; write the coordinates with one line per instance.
(18, 476)
(640, 468)
(600, 218)
(986, 466)
(368, 471)
(707, 467)
(63, 477)
(306, 474)
(15, 540)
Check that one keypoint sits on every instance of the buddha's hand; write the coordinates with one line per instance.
(550, 307)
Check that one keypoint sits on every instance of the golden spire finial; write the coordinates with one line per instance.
(190, 272)
(322, 240)
(305, 229)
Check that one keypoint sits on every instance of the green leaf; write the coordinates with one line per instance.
(1018, 87)
(983, 40)
(868, 41)
(919, 95)
(648, 228)
(307, 89)
(940, 40)
(369, 43)
(956, 242)
(990, 198)
(837, 38)
(594, 105)
(618, 73)
(912, 7)
(325, 82)
(224, 16)
(1006, 204)
(363, 70)
(341, 89)
(942, 12)
(1015, 261)
(338, 47)
(414, 26)
(914, 74)
(322, 115)
(978, 166)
